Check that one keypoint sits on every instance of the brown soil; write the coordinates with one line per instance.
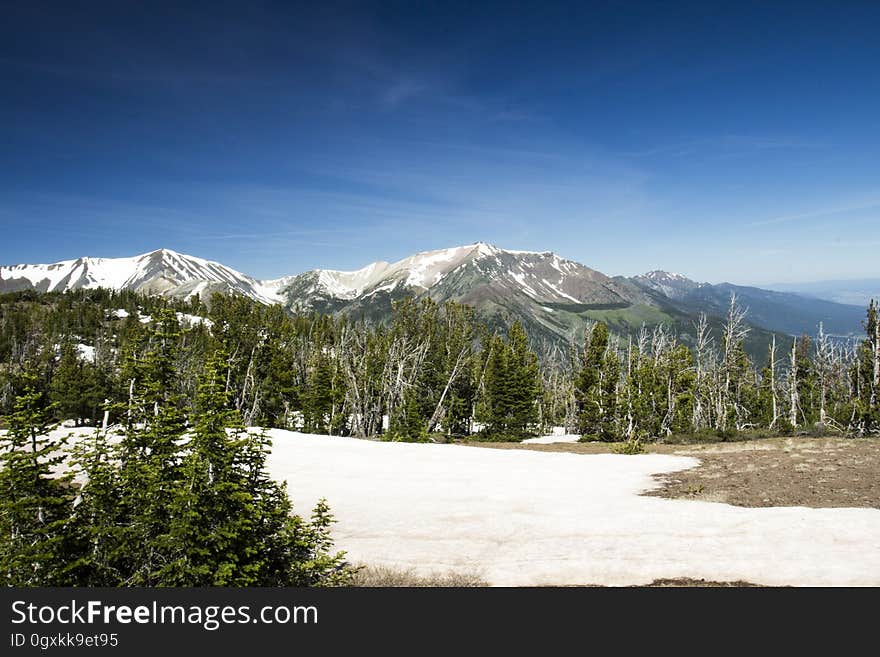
(814, 472)
(688, 582)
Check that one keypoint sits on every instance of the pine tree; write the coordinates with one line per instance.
(866, 373)
(211, 520)
(100, 519)
(68, 386)
(316, 397)
(589, 383)
(408, 423)
(149, 456)
(493, 404)
(231, 525)
(679, 375)
(35, 506)
(523, 382)
(807, 393)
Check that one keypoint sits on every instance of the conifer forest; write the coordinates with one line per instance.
(173, 488)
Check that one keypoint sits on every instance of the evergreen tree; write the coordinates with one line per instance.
(100, 519)
(524, 381)
(211, 513)
(77, 390)
(149, 455)
(680, 380)
(807, 393)
(35, 507)
(511, 387)
(493, 403)
(408, 422)
(866, 373)
(595, 387)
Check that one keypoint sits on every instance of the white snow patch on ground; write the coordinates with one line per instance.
(86, 352)
(193, 320)
(531, 518)
(556, 438)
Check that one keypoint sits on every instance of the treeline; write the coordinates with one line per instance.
(435, 371)
(424, 373)
(653, 386)
(177, 495)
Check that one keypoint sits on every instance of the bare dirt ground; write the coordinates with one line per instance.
(812, 472)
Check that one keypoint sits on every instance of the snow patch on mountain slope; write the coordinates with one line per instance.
(661, 276)
(558, 291)
(422, 270)
(426, 269)
(521, 279)
(161, 270)
(183, 276)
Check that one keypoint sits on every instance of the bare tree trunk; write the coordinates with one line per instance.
(823, 366)
(773, 381)
(793, 392)
(875, 390)
(130, 400)
(735, 331)
(452, 377)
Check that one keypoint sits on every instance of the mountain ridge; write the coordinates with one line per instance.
(553, 296)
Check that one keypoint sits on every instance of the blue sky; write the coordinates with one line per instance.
(726, 141)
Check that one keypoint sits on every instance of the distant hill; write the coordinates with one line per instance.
(856, 292)
(782, 312)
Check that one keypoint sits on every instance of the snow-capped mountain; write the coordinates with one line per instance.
(672, 285)
(552, 296)
(162, 272)
(463, 273)
(544, 291)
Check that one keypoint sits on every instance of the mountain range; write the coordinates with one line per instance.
(857, 292)
(551, 295)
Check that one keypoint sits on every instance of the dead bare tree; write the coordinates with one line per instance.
(793, 386)
(701, 354)
(772, 366)
(823, 367)
(735, 331)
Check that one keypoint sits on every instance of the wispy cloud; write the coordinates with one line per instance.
(815, 214)
(725, 146)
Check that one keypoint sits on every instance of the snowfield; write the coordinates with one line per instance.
(522, 518)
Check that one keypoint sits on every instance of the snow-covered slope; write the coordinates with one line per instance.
(674, 286)
(422, 271)
(459, 272)
(160, 272)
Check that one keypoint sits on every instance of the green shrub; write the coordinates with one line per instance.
(629, 447)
